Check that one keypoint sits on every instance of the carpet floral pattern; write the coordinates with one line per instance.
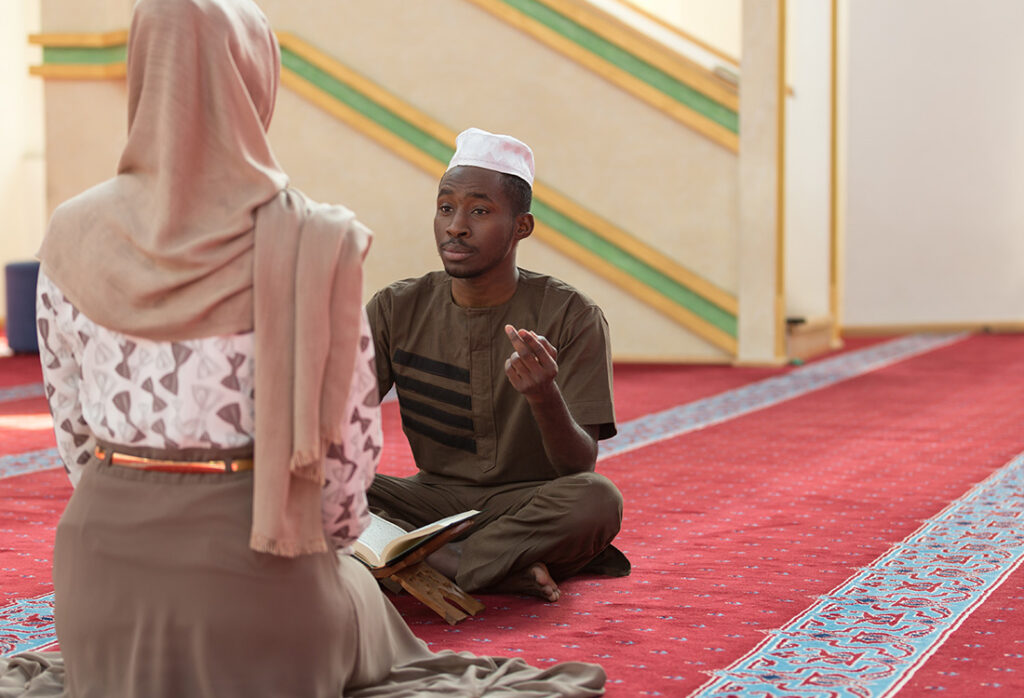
(853, 527)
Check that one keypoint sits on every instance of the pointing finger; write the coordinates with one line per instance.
(513, 336)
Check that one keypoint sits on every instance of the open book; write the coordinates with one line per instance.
(383, 542)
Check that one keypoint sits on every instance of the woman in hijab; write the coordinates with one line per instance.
(209, 370)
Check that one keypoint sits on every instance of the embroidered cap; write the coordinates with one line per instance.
(493, 151)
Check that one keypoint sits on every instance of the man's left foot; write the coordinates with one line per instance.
(535, 580)
(545, 584)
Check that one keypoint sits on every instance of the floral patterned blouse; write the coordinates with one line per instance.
(192, 394)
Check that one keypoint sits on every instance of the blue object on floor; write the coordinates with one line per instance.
(21, 307)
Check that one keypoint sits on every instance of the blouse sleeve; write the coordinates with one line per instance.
(350, 465)
(60, 355)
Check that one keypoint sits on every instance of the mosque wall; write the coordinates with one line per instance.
(930, 215)
(622, 159)
(808, 160)
(84, 16)
(934, 163)
(400, 211)
(717, 22)
(332, 163)
(22, 171)
(595, 146)
(328, 162)
(86, 124)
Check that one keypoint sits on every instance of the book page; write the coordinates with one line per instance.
(443, 523)
(406, 541)
(376, 538)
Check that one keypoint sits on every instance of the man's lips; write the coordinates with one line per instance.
(456, 252)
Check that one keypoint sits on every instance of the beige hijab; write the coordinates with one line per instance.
(197, 236)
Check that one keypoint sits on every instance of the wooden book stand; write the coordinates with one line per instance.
(428, 585)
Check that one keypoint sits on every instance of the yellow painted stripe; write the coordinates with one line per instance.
(680, 32)
(678, 313)
(91, 40)
(614, 30)
(109, 71)
(613, 74)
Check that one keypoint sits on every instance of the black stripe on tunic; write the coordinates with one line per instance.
(434, 391)
(460, 442)
(438, 415)
(437, 368)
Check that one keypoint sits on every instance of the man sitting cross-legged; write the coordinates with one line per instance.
(505, 386)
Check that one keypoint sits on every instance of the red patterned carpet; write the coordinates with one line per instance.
(745, 532)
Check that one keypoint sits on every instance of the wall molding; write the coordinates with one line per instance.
(118, 37)
(81, 56)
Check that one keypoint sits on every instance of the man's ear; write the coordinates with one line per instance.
(524, 226)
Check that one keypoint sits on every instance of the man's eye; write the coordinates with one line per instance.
(479, 211)
(444, 208)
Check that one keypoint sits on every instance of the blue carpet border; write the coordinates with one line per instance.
(692, 416)
(869, 635)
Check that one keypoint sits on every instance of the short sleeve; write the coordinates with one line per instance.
(378, 311)
(585, 370)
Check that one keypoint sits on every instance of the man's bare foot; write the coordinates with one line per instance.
(545, 585)
(535, 580)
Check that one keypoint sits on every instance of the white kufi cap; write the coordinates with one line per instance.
(493, 151)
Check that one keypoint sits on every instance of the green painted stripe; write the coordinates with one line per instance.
(367, 107)
(76, 55)
(442, 152)
(638, 269)
(643, 71)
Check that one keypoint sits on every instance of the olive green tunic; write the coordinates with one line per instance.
(474, 437)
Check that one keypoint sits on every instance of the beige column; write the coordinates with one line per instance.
(762, 117)
(837, 205)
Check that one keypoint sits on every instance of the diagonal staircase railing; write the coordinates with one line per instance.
(648, 275)
(669, 82)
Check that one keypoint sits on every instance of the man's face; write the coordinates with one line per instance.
(474, 225)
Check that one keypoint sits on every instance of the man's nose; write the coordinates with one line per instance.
(458, 225)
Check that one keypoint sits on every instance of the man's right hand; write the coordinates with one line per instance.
(532, 367)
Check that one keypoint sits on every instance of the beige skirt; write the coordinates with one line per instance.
(159, 596)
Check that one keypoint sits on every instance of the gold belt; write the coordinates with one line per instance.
(226, 465)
